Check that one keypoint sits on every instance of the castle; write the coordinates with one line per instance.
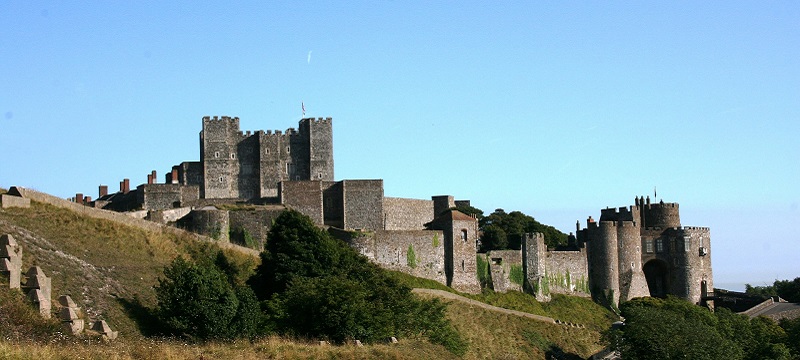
(244, 180)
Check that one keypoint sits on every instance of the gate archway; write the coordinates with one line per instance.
(656, 272)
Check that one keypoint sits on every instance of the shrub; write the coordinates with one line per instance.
(197, 300)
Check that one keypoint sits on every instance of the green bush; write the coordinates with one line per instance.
(196, 299)
(673, 328)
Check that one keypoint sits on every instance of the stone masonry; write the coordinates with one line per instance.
(11, 260)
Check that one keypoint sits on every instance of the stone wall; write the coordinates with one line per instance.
(567, 272)
(256, 223)
(333, 203)
(168, 216)
(303, 196)
(8, 201)
(416, 252)
(160, 196)
(116, 217)
(363, 204)
(406, 214)
(211, 222)
(505, 268)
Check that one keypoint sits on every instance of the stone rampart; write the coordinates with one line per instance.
(119, 218)
(363, 204)
(9, 201)
(255, 223)
(406, 214)
(416, 252)
(505, 268)
(567, 272)
(168, 216)
(303, 196)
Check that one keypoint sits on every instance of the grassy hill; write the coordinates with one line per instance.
(110, 269)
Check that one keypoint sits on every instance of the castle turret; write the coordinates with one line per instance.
(694, 275)
(604, 262)
(632, 282)
(218, 151)
(663, 215)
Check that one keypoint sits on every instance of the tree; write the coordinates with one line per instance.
(514, 226)
(196, 300)
(317, 286)
(200, 300)
(786, 289)
(673, 328)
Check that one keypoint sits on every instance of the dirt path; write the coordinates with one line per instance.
(451, 296)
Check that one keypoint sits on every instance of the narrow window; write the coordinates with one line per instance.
(287, 149)
(464, 235)
(648, 246)
(319, 175)
(462, 266)
(659, 245)
(687, 243)
(233, 156)
(221, 179)
(216, 154)
(267, 151)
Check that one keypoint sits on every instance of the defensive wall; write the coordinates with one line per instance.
(117, 217)
(415, 252)
(505, 269)
(549, 271)
(406, 214)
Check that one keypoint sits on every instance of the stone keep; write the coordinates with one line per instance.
(11, 260)
(250, 165)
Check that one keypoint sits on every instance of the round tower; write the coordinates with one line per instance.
(632, 282)
(695, 276)
(664, 215)
(604, 263)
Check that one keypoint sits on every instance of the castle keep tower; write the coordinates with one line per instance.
(249, 165)
(643, 250)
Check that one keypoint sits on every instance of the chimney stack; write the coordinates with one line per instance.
(102, 191)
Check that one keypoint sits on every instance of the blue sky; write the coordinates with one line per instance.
(554, 109)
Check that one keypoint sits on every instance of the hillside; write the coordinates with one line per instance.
(110, 269)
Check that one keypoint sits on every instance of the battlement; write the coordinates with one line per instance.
(288, 132)
(317, 120)
(221, 119)
(693, 228)
(619, 214)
